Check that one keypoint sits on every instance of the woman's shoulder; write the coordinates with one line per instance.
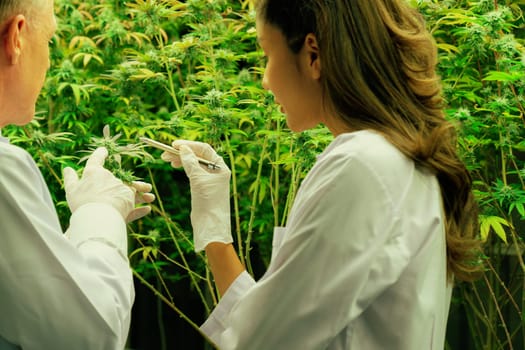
(366, 146)
(366, 152)
(364, 161)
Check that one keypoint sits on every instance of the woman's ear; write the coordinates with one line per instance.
(311, 54)
(12, 40)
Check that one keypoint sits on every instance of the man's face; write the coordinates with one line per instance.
(40, 30)
(27, 75)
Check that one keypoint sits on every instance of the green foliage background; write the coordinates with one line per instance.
(170, 69)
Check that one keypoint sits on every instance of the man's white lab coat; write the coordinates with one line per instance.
(361, 264)
(58, 293)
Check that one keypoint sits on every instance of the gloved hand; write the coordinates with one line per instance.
(99, 185)
(142, 195)
(210, 192)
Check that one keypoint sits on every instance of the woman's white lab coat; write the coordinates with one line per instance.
(361, 264)
(58, 293)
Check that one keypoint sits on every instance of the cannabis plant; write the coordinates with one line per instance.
(482, 64)
(169, 69)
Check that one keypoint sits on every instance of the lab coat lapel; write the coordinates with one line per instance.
(278, 235)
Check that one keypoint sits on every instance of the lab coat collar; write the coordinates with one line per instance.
(339, 139)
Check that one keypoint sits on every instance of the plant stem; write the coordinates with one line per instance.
(44, 159)
(275, 203)
(176, 243)
(171, 89)
(254, 205)
(507, 291)
(235, 200)
(498, 309)
(171, 305)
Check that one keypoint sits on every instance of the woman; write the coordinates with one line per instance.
(386, 217)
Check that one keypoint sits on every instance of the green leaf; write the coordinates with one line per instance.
(495, 223)
(504, 76)
(447, 47)
(519, 146)
(519, 207)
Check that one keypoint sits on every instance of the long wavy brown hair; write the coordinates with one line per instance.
(379, 72)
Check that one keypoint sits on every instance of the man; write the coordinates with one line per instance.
(72, 291)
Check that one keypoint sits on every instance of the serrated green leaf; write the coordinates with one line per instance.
(504, 76)
(496, 224)
(447, 47)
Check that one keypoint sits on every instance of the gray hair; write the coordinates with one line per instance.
(11, 7)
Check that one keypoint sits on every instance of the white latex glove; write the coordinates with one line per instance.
(142, 195)
(210, 192)
(98, 185)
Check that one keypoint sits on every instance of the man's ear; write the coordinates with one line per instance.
(311, 54)
(13, 39)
